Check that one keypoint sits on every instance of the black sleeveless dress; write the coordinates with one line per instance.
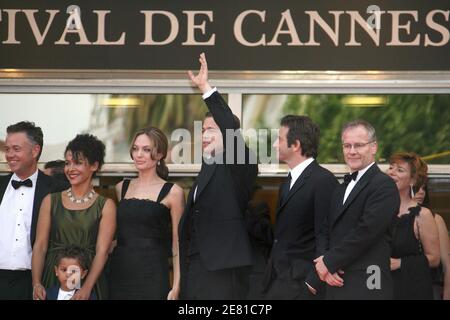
(413, 280)
(140, 263)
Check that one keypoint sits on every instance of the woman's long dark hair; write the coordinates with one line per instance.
(160, 145)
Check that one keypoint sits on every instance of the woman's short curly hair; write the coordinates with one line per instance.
(88, 147)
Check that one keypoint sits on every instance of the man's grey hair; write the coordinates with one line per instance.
(361, 123)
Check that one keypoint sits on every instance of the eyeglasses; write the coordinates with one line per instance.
(356, 146)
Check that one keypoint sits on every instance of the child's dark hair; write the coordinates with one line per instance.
(89, 147)
(73, 252)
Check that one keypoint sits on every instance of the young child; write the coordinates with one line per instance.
(70, 268)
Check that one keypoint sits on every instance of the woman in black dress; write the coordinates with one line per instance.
(441, 274)
(148, 214)
(415, 242)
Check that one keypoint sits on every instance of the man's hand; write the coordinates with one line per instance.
(321, 268)
(201, 79)
(395, 264)
(334, 279)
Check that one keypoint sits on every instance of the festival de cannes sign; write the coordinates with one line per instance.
(237, 34)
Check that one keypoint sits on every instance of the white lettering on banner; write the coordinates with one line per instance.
(404, 27)
(238, 28)
(101, 30)
(316, 18)
(191, 27)
(40, 37)
(11, 26)
(439, 28)
(174, 27)
(396, 27)
(74, 25)
(355, 16)
(286, 17)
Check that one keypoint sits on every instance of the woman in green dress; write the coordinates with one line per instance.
(78, 216)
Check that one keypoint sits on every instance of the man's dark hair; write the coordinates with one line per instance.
(55, 166)
(73, 252)
(34, 134)
(89, 147)
(303, 129)
(237, 122)
(57, 170)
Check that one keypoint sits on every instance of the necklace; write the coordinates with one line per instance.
(84, 199)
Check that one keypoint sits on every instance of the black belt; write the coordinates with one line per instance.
(14, 273)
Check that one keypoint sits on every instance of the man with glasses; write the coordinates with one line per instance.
(356, 256)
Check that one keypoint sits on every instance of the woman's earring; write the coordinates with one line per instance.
(412, 192)
(159, 162)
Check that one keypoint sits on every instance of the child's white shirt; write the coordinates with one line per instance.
(65, 295)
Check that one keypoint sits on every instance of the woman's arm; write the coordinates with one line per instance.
(40, 248)
(105, 236)
(425, 228)
(177, 204)
(445, 250)
(118, 190)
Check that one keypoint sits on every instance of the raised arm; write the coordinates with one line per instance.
(220, 110)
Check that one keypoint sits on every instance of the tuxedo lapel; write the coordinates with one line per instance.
(4, 185)
(360, 185)
(204, 176)
(297, 185)
(42, 189)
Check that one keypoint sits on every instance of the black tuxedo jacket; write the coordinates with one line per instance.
(44, 185)
(222, 197)
(299, 218)
(358, 234)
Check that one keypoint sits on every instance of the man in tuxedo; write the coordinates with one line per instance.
(21, 193)
(215, 250)
(304, 200)
(356, 253)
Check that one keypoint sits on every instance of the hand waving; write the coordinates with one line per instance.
(201, 79)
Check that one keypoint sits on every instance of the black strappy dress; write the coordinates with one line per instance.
(413, 280)
(140, 262)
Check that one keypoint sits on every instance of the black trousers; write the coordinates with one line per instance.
(15, 285)
(226, 284)
(283, 286)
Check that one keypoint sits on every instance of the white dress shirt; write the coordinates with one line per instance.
(297, 171)
(16, 211)
(352, 183)
(65, 295)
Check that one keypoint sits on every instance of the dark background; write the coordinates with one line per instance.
(228, 53)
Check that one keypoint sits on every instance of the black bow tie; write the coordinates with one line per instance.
(349, 177)
(17, 184)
